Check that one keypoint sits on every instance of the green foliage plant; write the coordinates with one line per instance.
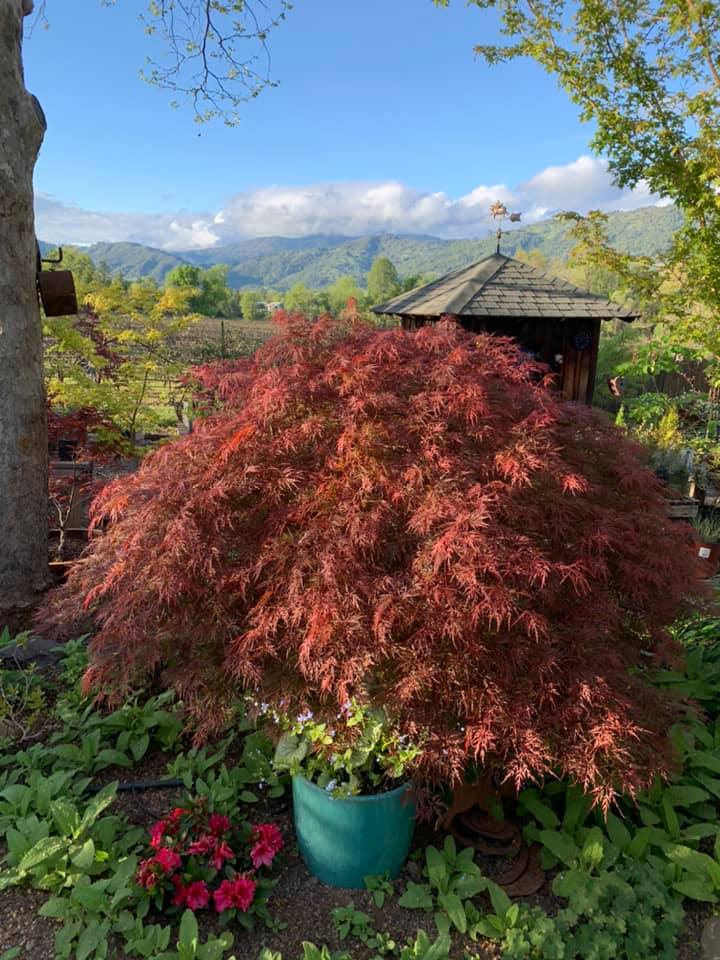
(360, 753)
(380, 888)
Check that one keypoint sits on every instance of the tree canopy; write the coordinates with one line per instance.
(411, 519)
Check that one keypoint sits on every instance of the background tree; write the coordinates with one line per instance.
(646, 73)
(383, 282)
(252, 305)
(344, 289)
(212, 61)
(301, 299)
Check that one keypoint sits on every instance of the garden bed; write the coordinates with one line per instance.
(145, 736)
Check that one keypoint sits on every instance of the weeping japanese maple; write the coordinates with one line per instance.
(409, 518)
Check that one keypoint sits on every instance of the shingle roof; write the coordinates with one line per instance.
(499, 286)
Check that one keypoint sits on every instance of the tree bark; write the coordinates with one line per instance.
(23, 429)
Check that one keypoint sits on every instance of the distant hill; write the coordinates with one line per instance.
(279, 262)
(135, 260)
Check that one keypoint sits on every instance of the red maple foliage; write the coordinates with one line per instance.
(410, 518)
(89, 440)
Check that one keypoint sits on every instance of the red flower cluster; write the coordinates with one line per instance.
(268, 843)
(237, 893)
(192, 861)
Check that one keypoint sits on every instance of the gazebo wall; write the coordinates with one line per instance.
(576, 341)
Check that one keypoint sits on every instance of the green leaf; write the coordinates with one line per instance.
(566, 883)
(593, 849)
(685, 795)
(706, 760)
(43, 850)
(561, 845)
(694, 861)
(417, 896)
(188, 935)
(670, 818)
(85, 856)
(541, 811)
(111, 758)
(500, 900)
(91, 896)
(618, 832)
(247, 797)
(139, 747)
(577, 806)
(290, 751)
(90, 939)
(695, 889)
(65, 816)
(436, 867)
(453, 907)
(10, 954)
(639, 843)
(97, 805)
(56, 908)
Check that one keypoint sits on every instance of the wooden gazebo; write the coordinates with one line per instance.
(552, 320)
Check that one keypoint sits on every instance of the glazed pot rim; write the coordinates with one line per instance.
(362, 798)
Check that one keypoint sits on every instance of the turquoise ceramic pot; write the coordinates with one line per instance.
(344, 839)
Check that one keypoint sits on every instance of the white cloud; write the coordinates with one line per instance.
(351, 209)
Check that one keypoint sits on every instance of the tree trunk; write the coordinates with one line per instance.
(23, 430)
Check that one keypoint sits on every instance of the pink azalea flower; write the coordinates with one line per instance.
(180, 892)
(157, 834)
(223, 896)
(238, 893)
(167, 859)
(219, 824)
(146, 875)
(203, 845)
(243, 892)
(197, 895)
(270, 834)
(222, 853)
(262, 854)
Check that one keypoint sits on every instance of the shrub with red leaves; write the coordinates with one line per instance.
(409, 518)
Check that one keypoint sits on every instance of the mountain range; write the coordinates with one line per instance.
(319, 260)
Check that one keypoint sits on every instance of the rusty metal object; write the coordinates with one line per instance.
(56, 288)
(57, 293)
(521, 875)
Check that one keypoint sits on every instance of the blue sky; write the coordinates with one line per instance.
(383, 111)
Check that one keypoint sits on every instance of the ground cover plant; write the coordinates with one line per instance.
(373, 514)
(617, 885)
